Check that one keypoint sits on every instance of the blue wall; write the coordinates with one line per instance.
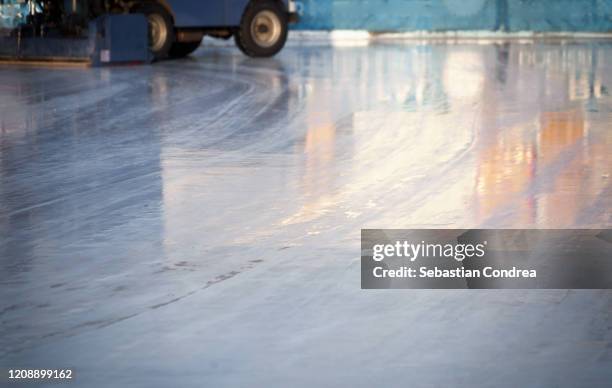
(453, 15)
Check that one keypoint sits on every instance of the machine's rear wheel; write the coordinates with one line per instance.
(161, 29)
(263, 29)
(182, 49)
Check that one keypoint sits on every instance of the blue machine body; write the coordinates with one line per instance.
(119, 39)
(113, 38)
(207, 13)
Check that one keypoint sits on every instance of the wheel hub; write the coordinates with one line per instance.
(158, 31)
(266, 29)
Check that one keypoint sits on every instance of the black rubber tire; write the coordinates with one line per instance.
(182, 49)
(152, 9)
(243, 36)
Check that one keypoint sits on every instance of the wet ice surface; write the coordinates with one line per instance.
(196, 222)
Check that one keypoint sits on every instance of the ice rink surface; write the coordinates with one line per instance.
(196, 223)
